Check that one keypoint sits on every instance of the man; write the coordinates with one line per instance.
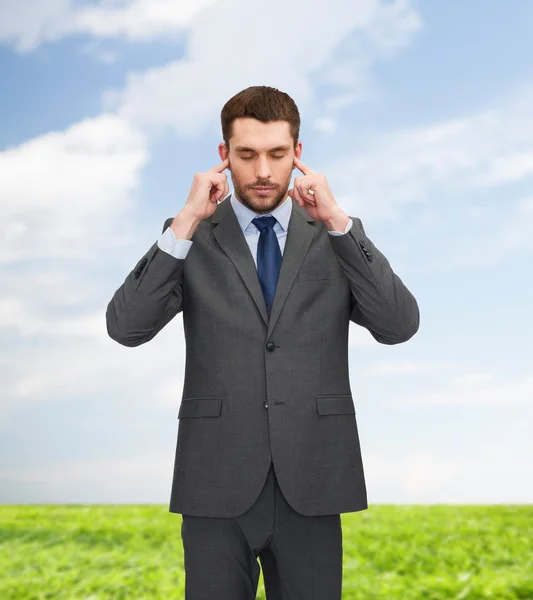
(268, 452)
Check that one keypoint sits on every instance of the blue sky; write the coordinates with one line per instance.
(421, 116)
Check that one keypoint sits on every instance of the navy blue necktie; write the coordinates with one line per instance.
(268, 258)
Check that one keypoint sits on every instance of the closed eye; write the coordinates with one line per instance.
(250, 157)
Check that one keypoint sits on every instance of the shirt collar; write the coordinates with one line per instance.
(282, 212)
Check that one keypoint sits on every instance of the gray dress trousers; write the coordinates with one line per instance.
(301, 556)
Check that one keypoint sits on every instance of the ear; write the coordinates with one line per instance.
(298, 152)
(223, 152)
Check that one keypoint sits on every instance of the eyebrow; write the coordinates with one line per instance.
(276, 149)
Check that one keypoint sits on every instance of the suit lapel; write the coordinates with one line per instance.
(229, 235)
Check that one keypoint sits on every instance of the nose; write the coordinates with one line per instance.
(263, 171)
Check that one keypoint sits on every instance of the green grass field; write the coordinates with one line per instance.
(99, 552)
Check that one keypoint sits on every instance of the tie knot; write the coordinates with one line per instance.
(263, 223)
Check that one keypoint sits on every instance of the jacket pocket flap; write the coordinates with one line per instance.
(204, 406)
(335, 404)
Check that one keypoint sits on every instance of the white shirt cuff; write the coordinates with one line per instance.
(348, 227)
(168, 243)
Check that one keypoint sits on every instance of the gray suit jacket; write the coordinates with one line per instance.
(256, 388)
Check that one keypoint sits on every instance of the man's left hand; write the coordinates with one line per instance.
(320, 205)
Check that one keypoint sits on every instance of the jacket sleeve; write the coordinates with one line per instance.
(380, 301)
(149, 298)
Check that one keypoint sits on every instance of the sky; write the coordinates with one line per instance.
(420, 114)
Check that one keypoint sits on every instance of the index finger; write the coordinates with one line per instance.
(302, 167)
(219, 168)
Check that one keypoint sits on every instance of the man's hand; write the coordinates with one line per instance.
(206, 190)
(312, 191)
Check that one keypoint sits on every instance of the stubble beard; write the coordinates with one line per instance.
(261, 205)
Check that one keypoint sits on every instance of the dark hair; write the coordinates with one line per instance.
(264, 104)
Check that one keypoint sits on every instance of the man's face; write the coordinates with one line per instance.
(261, 154)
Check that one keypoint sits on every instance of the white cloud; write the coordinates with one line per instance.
(63, 197)
(513, 167)
(419, 367)
(386, 29)
(487, 241)
(481, 389)
(187, 94)
(28, 24)
(111, 480)
(64, 192)
(139, 20)
(517, 230)
(391, 170)
(72, 357)
(487, 475)
(73, 471)
(326, 125)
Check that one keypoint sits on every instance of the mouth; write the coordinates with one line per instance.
(263, 190)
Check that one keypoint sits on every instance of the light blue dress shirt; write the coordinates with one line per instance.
(179, 248)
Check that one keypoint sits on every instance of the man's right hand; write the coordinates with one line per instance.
(206, 190)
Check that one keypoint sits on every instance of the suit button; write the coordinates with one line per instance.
(266, 405)
(270, 347)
